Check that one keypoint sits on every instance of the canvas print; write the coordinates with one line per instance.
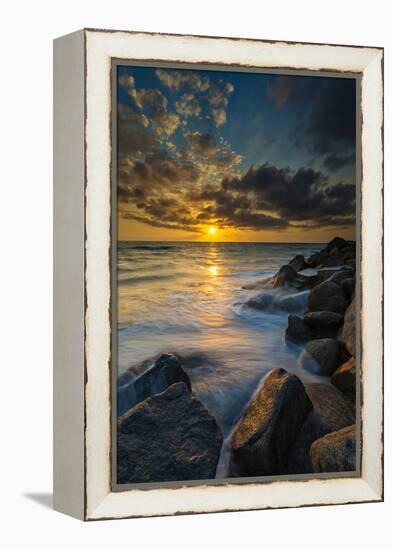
(235, 341)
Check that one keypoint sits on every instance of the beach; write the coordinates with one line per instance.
(214, 307)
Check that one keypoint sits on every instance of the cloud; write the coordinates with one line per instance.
(188, 105)
(282, 88)
(134, 134)
(157, 173)
(200, 88)
(219, 116)
(202, 143)
(145, 98)
(334, 162)
(165, 123)
(299, 196)
(176, 80)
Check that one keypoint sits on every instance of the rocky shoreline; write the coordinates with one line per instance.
(165, 433)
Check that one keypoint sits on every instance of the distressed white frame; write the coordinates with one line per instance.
(100, 47)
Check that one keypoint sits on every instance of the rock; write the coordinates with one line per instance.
(331, 412)
(348, 287)
(266, 432)
(327, 296)
(298, 262)
(297, 332)
(286, 276)
(349, 328)
(342, 274)
(267, 282)
(333, 260)
(270, 301)
(335, 452)
(325, 273)
(344, 378)
(168, 437)
(261, 301)
(348, 252)
(337, 242)
(323, 356)
(323, 320)
(292, 303)
(351, 263)
(318, 259)
(307, 277)
(166, 371)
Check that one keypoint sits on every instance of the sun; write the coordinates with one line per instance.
(212, 230)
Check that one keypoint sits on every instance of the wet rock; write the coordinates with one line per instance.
(297, 331)
(286, 276)
(318, 259)
(325, 273)
(349, 328)
(270, 301)
(344, 378)
(298, 262)
(292, 303)
(342, 274)
(348, 287)
(261, 301)
(322, 320)
(327, 296)
(331, 412)
(307, 278)
(168, 437)
(333, 260)
(323, 356)
(166, 371)
(337, 242)
(265, 434)
(335, 452)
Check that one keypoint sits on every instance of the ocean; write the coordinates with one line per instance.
(188, 298)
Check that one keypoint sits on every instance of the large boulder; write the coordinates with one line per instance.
(166, 371)
(348, 286)
(336, 243)
(265, 434)
(323, 356)
(327, 296)
(331, 412)
(168, 437)
(271, 301)
(349, 328)
(298, 262)
(323, 320)
(341, 275)
(344, 378)
(335, 452)
(318, 259)
(286, 276)
(297, 331)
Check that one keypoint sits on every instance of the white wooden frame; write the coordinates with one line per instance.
(82, 417)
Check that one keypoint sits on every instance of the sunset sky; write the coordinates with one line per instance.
(234, 156)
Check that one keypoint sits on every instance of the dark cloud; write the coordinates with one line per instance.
(299, 196)
(332, 122)
(133, 133)
(334, 162)
(158, 172)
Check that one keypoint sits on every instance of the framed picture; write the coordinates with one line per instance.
(218, 274)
